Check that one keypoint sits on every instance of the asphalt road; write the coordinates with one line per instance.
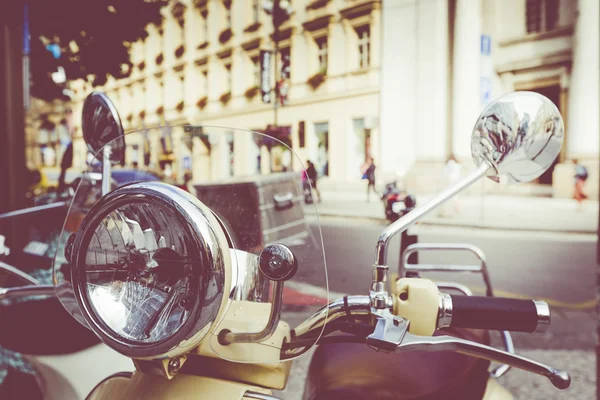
(537, 265)
(558, 268)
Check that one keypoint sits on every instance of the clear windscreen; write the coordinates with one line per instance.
(256, 187)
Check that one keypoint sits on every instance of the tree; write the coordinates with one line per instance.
(94, 37)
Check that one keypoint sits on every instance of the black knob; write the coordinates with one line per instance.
(277, 262)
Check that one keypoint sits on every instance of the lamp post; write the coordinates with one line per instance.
(280, 11)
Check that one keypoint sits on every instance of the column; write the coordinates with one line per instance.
(582, 136)
(432, 80)
(398, 86)
(465, 96)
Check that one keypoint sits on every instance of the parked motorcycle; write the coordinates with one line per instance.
(397, 202)
(156, 275)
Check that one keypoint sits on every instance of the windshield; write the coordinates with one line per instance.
(254, 185)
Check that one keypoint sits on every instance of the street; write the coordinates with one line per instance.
(549, 266)
(554, 267)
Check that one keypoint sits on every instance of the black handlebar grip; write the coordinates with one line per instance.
(499, 314)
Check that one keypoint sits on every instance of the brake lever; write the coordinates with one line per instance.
(410, 342)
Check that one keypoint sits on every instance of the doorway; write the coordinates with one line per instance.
(322, 161)
(553, 93)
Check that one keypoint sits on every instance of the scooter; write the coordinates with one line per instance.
(155, 274)
(396, 202)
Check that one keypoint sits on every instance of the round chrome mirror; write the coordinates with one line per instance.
(101, 124)
(519, 135)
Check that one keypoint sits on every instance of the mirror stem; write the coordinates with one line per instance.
(106, 173)
(409, 219)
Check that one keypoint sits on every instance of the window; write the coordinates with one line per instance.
(182, 86)
(205, 27)
(322, 160)
(322, 52)
(228, 15)
(228, 77)
(181, 22)
(256, 70)
(205, 77)
(286, 66)
(541, 15)
(364, 47)
(302, 134)
(255, 11)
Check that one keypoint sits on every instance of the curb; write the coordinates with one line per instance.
(455, 225)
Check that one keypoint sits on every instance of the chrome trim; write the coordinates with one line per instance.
(106, 168)
(520, 134)
(482, 268)
(509, 346)
(33, 210)
(26, 291)
(543, 313)
(28, 279)
(559, 378)
(444, 311)
(259, 396)
(247, 282)
(208, 237)
(268, 206)
(226, 337)
(355, 306)
(409, 219)
(454, 286)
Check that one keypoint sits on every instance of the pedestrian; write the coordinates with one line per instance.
(311, 172)
(370, 176)
(581, 175)
(187, 178)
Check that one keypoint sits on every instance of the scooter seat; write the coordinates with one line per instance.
(352, 371)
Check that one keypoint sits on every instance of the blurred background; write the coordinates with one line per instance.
(346, 84)
(399, 81)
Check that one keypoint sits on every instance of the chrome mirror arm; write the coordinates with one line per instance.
(106, 169)
(409, 219)
(559, 378)
(26, 291)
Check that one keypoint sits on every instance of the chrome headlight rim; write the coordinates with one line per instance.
(210, 264)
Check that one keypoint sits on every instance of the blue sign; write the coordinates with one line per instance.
(54, 49)
(26, 45)
(486, 45)
(485, 87)
(187, 163)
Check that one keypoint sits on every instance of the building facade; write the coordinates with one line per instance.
(467, 52)
(402, 81)
(202, 66)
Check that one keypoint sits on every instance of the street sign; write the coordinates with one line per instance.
(187, 163)
(487, 70)
(486, 90)
(265, 76)
(486, 45)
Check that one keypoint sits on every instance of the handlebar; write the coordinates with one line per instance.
(391, 332)
(493, 313)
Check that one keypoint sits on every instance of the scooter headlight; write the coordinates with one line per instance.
(148, 269)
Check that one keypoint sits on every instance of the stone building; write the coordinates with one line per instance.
(400, 80)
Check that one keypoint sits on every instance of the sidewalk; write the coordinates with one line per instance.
(489, 211)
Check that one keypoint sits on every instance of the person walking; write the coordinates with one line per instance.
(311, 171)
(370, 175)
(581, 175)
